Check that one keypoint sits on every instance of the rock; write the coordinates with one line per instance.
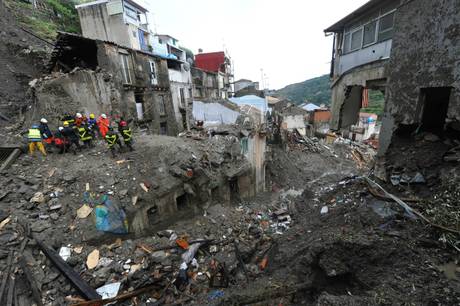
(69, 178)
(40, 226)
(123, 192)
(55, 207)
(38, 197)
(158, 256)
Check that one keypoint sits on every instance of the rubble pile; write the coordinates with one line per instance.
(296, 141)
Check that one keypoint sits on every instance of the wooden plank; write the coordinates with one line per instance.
(10, 295)
(36, 294)
(77, 282)
(5, 276)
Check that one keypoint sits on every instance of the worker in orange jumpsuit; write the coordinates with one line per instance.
(103, 123)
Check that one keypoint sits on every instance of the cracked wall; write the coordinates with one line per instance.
(425, 54)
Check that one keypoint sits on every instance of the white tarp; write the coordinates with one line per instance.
(214, 112)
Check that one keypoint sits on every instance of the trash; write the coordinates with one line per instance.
(93, 259)
(4, 222)
(418, 179)
(64, 252)
(109, 291)
(104, 262)
(144, 187)
(216, 294)
(190, 254)
(87, 187)
(182, 279)
(84, 211)
(78, 249)
(38, 197)
(110, 218)
(134, 200)
(324, 210)
(195, 263)
(213, 249)
(182, 243)
(382, 209)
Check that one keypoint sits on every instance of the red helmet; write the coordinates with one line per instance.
(123, 123)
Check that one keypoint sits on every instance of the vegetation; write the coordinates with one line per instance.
(315, 91)
(48, 18)
(318, 91)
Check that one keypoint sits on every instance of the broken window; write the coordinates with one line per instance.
(125, 68)
(369, 33)
(162, 106)
(153, 75)
(356, 40)
(139, 98)
(386, 26)
(435, 107)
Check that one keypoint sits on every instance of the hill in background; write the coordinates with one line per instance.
(318, 91)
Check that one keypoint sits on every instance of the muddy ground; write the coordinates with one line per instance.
(278, 248)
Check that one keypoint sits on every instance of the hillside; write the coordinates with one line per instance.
(316, 90)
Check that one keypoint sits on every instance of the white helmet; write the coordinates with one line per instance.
(104, 116)
(60, 128)
(79, 115)
(43, 120)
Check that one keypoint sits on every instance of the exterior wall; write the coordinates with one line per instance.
(255, 154)
(345, 110)
(369, 54)
(205, 84)
(425, 54)
(180, 80)
(293, 122)
(242, 84)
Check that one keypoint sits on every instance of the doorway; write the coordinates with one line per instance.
(182, 202)
(435, 106)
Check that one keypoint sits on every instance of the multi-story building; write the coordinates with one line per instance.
(361, 51)
(220, 64)
(123, 22)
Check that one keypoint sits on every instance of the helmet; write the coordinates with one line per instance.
(104, 116)
(35, 126)
(91, 116)
(66, 123)
(79, 115)
(60, 128)
(43, 120)
(123, 123)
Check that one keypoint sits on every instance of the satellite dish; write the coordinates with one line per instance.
(186, 66)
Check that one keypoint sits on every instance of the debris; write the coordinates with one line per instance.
(109, 291)
(68, 272)
(84, 211)
(324, 210)
(134, 200)
(4, 222)
(38, 197)
(144, 187)
(93, 259)
(110, 218)
(216, 294)
(36, 293)
(263, 263)
(64, 252)
(78, 250)
(182, 243)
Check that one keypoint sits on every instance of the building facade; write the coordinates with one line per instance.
(220, 64)
(361, 52)
(93, 76)
(123, 22)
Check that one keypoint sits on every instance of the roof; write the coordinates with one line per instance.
(166, 35)
(339, 25)
(310, 106)
(242, 80)
(210, 61)
(131, 2)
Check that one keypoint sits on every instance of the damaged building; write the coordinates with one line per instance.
(94, 76)
(361, 52)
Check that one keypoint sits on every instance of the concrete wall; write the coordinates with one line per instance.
(256, 157)
(363, 56)
(345, 110)
(425, 53)
(292, 122)
(242, 84)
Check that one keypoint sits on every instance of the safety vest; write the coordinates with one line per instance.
(111, 139)
(34, 135)
(84, 135)
(127, 134)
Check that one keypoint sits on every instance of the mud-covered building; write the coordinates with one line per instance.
(94, 76)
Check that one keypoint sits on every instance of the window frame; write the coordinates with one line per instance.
(125, 68)
(153, 73)
(162, 106)
(361, 28)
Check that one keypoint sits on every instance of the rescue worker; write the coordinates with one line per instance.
(92, 125)
(35, 140)
(103, 123)
(60, 141)
(69, 118)
(113, 139)
(80, 119)
(85, 135)
(71, 137)
(126, 133)
(45, 131)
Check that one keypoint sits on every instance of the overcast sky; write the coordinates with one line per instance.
(283, 37)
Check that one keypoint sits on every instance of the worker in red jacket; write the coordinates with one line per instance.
(103, 123)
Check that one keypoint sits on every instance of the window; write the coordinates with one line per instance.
(160, 41)
(130, 12)
(369, 33)
(386, 27)
(162, 106)
(163, 128)
(153, 75)
(125, 68)
(356, 39)
(346, 43)
(182, 97)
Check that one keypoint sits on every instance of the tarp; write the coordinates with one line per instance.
(310, 107)
(214, 112)
(252, 100)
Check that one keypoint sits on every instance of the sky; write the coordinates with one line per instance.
(285, 38)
